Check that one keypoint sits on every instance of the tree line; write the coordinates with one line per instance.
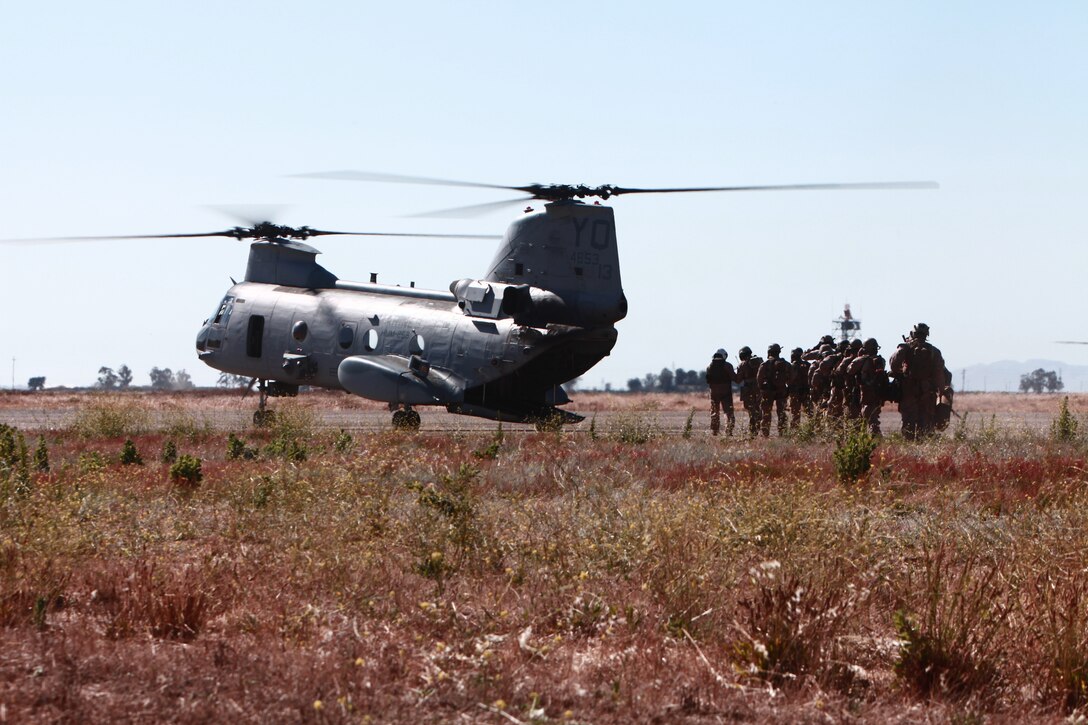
(669, 381)
(161, 379)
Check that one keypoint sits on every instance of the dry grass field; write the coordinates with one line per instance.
(326, 569)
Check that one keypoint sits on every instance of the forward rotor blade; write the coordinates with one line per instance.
(349, 175)
(865, 185)
(233, 235)
(474, 210)
(60, 240)
(1071, 342)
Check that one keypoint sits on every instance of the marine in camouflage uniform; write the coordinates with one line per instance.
(749, 390)
(836, 400)
(820, 377)
(816, 352)
(872, 377)
(799, 387)
(852, 386)
(919, 367)
(720, 376)
(773, 379)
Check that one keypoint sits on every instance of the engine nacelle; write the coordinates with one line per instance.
(527, 305)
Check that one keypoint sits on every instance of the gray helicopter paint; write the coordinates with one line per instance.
(468, 347)
(559, 266)
(569, 250)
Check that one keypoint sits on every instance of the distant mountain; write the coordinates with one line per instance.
(1004, 375)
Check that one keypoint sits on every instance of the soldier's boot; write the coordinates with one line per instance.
(715, 419)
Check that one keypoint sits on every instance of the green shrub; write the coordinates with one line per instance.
(169, 451)
(291, 430)
(491, 450)
(1064, 428)
(633, 429)
(13, 453)
(41, 456)
(129, 455)
(90, 461)
(343, 442)
(688, 424)
(960, 432)
(853, 453)
(186, 470)
(237, 449)
(287, 447)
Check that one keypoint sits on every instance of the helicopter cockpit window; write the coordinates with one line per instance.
(299, 330)
(223, 315)
(417, 345)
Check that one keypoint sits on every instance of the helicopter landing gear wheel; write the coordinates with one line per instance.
(263, 416)
(407, 420)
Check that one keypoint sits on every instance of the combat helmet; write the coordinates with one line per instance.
(921, 331)
(721, 353)
(774, 350)
(744, 353)
(827, 340)
(871, 346)
(855, 344)
(843, 346)
(796, 353)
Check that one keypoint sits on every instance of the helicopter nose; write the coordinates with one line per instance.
(202, 339)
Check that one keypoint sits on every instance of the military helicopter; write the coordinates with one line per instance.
(499, 346)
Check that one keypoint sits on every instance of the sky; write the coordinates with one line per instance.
(144, 118)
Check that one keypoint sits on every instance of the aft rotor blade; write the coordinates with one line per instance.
(865, 185)
(318, 233)
(474, 210)
(350, 175)
(1071, 342)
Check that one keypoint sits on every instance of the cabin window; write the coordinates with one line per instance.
(223, 315)
(417, 345)
(299, 330)
(346, 337)
(255, 335)
(371, 339)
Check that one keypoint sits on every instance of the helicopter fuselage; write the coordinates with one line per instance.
(498, 347)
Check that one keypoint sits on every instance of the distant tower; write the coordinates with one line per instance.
(846, 327)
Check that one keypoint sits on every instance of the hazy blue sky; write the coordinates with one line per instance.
(128, 118)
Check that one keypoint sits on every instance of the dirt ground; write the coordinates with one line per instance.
(667, 412)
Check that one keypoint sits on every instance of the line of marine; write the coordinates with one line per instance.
(834, 383)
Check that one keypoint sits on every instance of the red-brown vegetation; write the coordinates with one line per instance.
(604, 578)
